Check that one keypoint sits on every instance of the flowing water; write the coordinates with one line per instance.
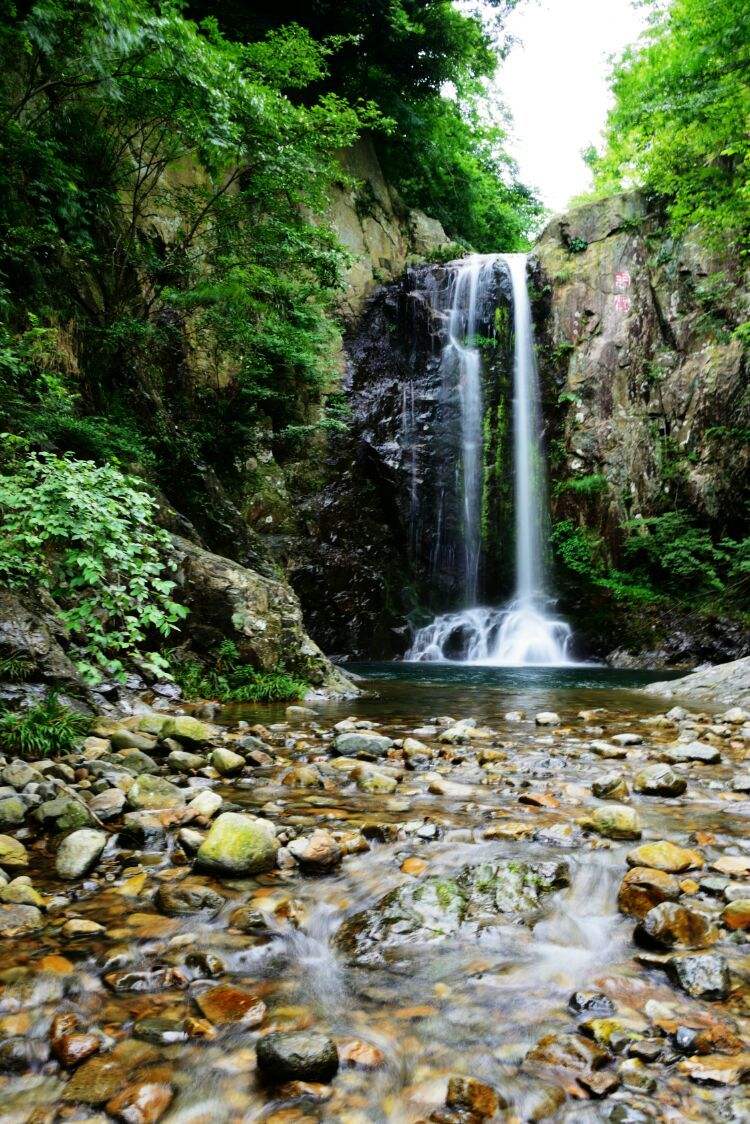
(525, 632)
(470, 1000)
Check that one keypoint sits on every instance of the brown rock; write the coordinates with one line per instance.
(141, 1103)
(413, 865)
(599, 1084)
(736, 915)
(717, 1069)
(227, 1004)
(102, 1077)
(642, 888)
(670, 925)
(72, 1049)
(472, 1095)
(568, 1051)
(363, 1055)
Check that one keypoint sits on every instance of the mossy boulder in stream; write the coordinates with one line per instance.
(436, 907)
(238, 844)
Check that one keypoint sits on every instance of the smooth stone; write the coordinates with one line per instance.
(181, 761)
(12, 811)
(21, 892)
(190, 731)
(642, 888)
(206, 804)
(316, 852)
(18, 774)
(109, 804)
(547, 718)
(151, 793)
(303, 1055)
(613, 786)
(15, 920)
(374, 782)
(627, 739)
(665, 855)
(225, 1004)
(698, 752)
(467, 1094)
(659, 780)
(104, 1076)
(181, 901)
(143, 1102)
(62, 813)
(226, 762)
(608, 751)
(718, 1069)
(239, 844)
(614, 821)
(79, 852)
(736, 915)
(122, 738)
(568, 1051)
(362, 745)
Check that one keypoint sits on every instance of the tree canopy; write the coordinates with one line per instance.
(679, 125)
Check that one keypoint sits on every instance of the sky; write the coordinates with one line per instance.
(554, 82)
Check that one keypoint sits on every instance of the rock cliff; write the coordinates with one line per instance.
(646, 409)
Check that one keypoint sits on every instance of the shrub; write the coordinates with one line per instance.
(86, 534)
(42, 730)
(672, 551)
(230, 680)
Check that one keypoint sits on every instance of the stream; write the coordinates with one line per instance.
(407, 1006)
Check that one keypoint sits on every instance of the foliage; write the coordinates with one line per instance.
(671, 551)
(427, 64)
(679, 122)
(577, 245)
(231, 680)
(42, 730)
(579, 552)
(15, 668)
(188, 197)
(591, 485)
(86, 534)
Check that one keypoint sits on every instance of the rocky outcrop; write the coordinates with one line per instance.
(645, 385)
(729, 683)
(375, 226)
(31, 634)
(641, 350)
(261, 615)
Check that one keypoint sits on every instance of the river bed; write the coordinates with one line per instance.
(463, 997)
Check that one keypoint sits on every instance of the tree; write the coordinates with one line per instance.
(679, 123)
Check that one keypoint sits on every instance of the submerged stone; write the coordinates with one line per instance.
(433, 908)
(304, 1055)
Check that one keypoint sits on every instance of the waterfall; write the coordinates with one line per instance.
(469, 287)
(522, 633)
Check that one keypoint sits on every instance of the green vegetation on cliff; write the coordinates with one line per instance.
(679, 125)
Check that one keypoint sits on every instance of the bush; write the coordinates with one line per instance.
(45, 729)
(86, 534)
(670, 550)
(230, 680)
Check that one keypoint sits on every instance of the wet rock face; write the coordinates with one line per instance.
(642, 374)
(433, 908)
(407, 417)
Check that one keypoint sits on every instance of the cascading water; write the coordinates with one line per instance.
(522, 633)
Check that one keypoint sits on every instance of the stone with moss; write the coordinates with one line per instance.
(151, 792)
(239, 844)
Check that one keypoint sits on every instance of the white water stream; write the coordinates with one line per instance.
(522, 633)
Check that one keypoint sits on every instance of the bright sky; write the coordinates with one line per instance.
(554, 82)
